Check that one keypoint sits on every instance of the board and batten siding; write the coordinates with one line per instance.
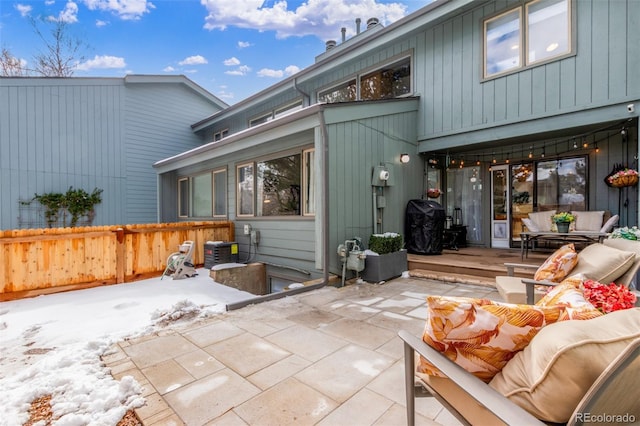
(603, 71)
(91, 133)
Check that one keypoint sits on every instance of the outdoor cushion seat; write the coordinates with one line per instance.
(568, 369)
(613, 260)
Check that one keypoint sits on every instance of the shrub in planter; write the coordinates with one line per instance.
(385, 243)
(390, 261)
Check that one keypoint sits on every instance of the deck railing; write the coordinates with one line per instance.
(36, 261)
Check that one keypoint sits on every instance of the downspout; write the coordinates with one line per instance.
(325, 196)
(306, 99)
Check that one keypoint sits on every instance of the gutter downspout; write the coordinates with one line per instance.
(306, 98)
(325, 196)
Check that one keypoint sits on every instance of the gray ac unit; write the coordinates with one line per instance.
(218, 252)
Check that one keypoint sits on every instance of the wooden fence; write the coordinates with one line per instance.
(38, 261)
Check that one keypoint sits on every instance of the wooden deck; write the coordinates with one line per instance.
(471, 265)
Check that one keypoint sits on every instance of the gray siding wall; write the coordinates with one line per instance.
(604, 71)
(92, 133)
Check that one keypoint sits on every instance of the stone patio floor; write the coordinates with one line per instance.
(330, 356)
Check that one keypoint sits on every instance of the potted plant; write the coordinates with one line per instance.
(386, 257)
(563, 220)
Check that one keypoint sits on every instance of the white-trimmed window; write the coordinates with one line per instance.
(392, 81)
(261, 119)
(245, 190)
(276, 113)
(220, 135)
(345, 92)
(543, 27)
(203, 195)
(279, 186)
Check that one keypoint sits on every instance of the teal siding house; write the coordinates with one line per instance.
(506, 107)
(88, 133)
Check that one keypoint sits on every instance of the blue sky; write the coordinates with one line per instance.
(232, 48)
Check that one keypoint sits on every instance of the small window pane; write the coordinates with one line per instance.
(388, 82)
(344, 93)
(202, 195)
(309, 182)
(245, 190)
(561, 184)
(183, 197)
(547, 29)
(279, 186)
(502, 43)
(220, 193)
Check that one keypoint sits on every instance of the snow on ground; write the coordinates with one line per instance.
(52, 344)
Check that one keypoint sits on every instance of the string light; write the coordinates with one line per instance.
(531, 152)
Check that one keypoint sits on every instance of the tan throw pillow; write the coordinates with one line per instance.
(551, 375)
(625, 245)
(481, 335)
(531, 226)
(542, 220)
(589, 220)
(603, 263)
(558, 265)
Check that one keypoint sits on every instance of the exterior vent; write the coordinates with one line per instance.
(330, 44)
(218, 252)
(372, 22)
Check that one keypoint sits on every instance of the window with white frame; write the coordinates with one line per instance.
(280, 186)
(203, 195)
(220, 135)
(387, 82)
(346, 92)
(276, 113)
(534, 33)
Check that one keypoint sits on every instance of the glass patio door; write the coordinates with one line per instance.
(500, 206)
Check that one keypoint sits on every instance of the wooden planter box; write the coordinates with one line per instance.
(385, 266)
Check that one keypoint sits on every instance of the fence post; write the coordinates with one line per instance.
(121, 256)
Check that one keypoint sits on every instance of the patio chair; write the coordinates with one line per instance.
(612, 374)
(614, 260)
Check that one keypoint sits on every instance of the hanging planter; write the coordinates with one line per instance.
(623, 177)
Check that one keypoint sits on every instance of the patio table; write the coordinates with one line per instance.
(529, 238)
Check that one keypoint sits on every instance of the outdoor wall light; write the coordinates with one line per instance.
(404, 158)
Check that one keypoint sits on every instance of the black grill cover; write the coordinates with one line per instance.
(424, 226)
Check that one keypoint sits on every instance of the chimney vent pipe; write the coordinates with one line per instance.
(344, 34)
(358, 20)
(372, 22)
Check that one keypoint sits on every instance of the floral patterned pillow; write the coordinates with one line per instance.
(481, 335)
(569, 294)
(558, 265)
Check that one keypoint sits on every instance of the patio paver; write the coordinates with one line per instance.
(327, 357)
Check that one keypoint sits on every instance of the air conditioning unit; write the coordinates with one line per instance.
(218, 252)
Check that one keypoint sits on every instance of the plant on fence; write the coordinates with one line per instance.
(77, 202)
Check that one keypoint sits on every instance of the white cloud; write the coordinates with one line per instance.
(24, 9)
(100, 23)
(266, 72)
(69, 14)
(233, 61)
(321, 18)
(49, 2)
(194, 60)
(243, 44)
(291, 70)
(190, 71)
(169, 69)
(241, 70)
(125, 9)
(102, 62)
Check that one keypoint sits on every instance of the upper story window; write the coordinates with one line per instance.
(389, 81)
(536, 32)
(221, 134)
(278, 112)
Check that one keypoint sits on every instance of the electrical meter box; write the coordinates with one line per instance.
(218, 252)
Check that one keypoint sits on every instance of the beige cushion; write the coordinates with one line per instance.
(531, 226)
(542, 220)
(551, 375)
(589, 220)
(610, 223)
(603, 263)
(513, 290)
(626, 245)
